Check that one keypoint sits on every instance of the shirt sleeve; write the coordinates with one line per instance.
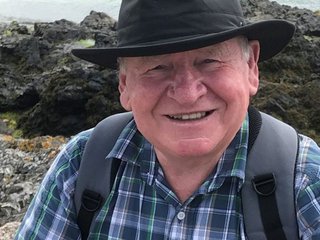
(308, 189)
(52, 214)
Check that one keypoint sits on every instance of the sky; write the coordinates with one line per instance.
(50, 10)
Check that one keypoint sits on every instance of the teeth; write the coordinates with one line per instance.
(192, 116)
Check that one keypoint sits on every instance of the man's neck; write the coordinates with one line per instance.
(185, 176)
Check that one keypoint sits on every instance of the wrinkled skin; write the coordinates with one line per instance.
(191, 104)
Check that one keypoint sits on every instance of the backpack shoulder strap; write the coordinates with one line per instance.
(268, 197)
(275, 138)
(95, 170)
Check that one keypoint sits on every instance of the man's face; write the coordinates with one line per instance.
(190, 104)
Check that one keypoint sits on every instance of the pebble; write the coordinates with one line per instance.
(8, 230)
(23, 163)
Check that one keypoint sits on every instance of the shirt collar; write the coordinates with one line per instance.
(131, 145)
(233, 161)
(133, 148)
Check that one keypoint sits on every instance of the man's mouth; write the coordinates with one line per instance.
(190, 116)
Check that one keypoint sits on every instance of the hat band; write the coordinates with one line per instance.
(144, 32)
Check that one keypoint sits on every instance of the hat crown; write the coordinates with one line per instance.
(146, 21)
(155, 27)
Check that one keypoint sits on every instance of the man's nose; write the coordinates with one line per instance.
(187, 87)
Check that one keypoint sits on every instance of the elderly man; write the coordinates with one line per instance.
(187, 71)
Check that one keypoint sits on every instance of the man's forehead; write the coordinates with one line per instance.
(218, 49)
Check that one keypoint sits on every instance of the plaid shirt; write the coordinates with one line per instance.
(141, 204)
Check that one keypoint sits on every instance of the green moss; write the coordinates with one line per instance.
(11, 118)
(7, 33)
(86, 43)
(64, 61)
(17, 133)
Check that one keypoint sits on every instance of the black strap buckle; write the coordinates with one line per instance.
(264, 185)
(91, 201)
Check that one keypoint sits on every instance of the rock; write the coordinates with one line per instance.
(28, 50)
(73, 102)
(16, 93)
(58, 90)
(105, 27)
(61, 94)
(99, 21)
(8, 230)
(60, 30)
(15, 27)
(23, 164)
(285, 79)
(4, 129)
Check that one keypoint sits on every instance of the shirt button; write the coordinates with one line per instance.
(181, 216)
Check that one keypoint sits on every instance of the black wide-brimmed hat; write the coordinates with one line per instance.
(154, 27)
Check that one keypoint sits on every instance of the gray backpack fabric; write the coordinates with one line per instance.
(268, 192)
(275, 151)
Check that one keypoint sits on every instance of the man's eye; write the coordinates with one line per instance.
(208, 60)
(158, 67)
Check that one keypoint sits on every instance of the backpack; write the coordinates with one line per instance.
(267, 194)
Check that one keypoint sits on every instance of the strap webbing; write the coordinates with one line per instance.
(90, 193)
(91, 202)
(265, 187)
(274, 151)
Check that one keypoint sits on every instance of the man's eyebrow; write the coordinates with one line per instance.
(151, 59)
(217, 50)
(214, 50)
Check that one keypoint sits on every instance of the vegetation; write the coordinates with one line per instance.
(86, 43)
(11, 119)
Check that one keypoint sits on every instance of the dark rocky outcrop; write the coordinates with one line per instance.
(59, 94)
(290, 81)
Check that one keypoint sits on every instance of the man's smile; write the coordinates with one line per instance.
(190, 116)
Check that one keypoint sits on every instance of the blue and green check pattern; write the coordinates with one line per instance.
(142, 205)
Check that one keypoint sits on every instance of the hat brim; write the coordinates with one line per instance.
(273, 36)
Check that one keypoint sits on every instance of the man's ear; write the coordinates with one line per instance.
(254, 47)
(124, 93)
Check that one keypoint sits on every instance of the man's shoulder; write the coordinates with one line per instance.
(307, 187)
(71, 154)
(78, 142)
(308, 163)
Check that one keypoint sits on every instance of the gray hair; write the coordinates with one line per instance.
(244, 44)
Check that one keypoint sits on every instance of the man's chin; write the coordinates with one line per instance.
(194, 148)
